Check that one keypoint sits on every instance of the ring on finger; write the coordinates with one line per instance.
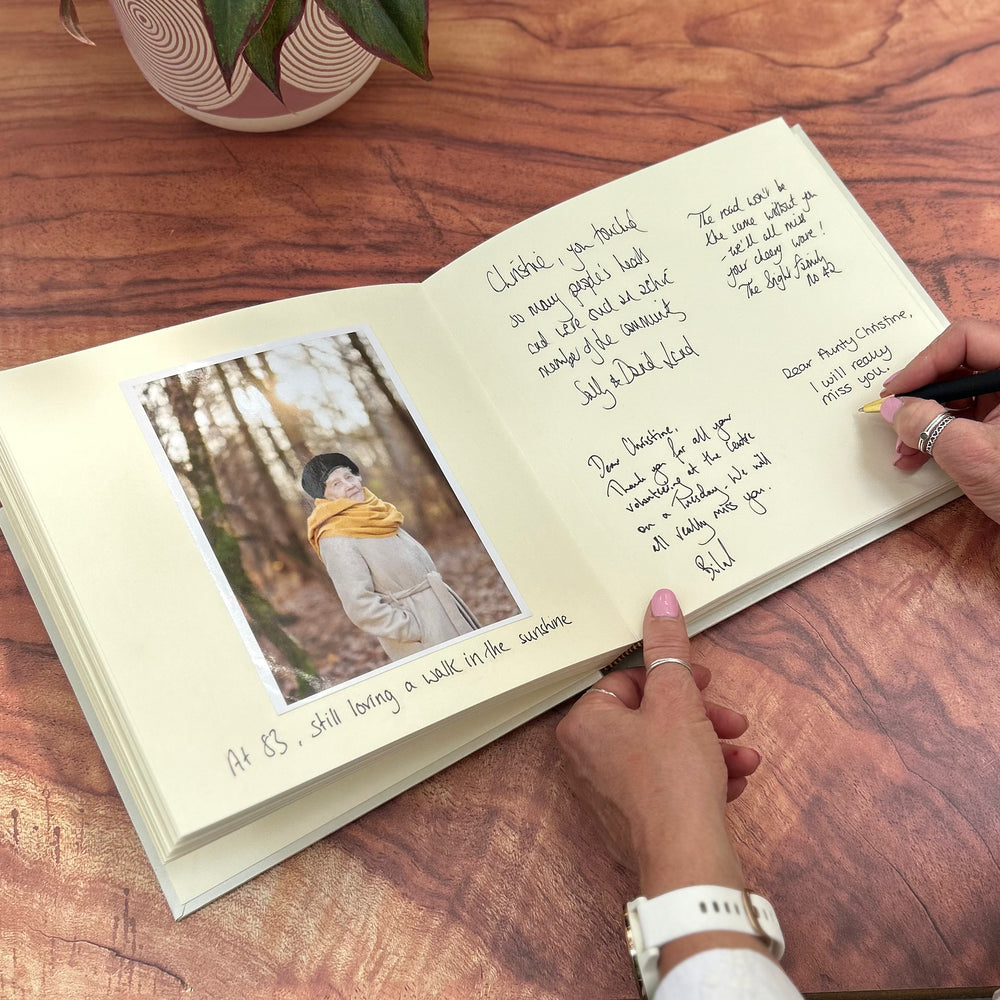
(670, 659)
(597, 690)
(930, 434)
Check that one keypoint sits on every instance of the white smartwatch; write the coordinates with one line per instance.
(651, 923)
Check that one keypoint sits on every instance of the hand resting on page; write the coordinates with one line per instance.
(644, 751)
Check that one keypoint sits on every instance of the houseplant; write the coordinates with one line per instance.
(215, 59)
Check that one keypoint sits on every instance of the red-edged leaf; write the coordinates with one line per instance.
(231, 24)
(395, 30)
(262, 52)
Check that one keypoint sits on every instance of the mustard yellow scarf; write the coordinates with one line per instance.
(368, 518)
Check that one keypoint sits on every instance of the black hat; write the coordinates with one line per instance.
(318, 469)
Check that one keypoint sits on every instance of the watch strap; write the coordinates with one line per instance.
(652, 923)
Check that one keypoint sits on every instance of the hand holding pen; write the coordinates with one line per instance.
(964, 437)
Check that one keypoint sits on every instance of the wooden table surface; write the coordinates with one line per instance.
(873, 686)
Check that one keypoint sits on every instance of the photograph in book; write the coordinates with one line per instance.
(322, 509)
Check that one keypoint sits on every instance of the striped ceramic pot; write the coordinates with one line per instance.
(321, 67)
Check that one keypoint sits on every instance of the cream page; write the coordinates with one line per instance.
(155, 637)
(681, 355)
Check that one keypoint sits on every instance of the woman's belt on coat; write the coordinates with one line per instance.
(454, 607)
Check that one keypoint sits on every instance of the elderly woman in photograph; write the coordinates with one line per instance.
(384, 577)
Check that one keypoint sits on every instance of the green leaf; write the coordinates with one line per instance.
(395, 30)
(263, 50)
(231, 23)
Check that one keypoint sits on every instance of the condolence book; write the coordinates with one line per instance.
(653, 384)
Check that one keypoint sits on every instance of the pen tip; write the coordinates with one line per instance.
(873, 407)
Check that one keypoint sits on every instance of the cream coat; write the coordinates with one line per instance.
(390, 588)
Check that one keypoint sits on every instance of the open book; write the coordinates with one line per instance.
(653, 384)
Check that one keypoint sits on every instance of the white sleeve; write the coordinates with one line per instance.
(727, 974)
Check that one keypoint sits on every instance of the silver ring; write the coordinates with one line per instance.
(932, 432)
(670, 659)
(597, 690)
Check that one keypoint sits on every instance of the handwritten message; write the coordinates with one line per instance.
(861, 359)
(597, 312)
(767, 240)
(340, 712)
(682, 485)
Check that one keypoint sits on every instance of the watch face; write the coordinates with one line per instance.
(634, 955)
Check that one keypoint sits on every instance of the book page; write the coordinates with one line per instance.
(681, 355)
(168, 648)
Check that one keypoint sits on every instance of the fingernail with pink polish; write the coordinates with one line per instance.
(890, 407)
(665, 604)
(889, 379)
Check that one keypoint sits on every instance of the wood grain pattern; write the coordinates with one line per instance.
(873, 686)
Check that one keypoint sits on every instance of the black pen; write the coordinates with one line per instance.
(944, 392)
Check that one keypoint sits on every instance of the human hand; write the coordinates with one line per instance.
(644, 752)
(968, 449)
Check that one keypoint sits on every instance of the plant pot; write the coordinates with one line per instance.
(321, 67)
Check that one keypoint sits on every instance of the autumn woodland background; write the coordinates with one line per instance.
(237, 434)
